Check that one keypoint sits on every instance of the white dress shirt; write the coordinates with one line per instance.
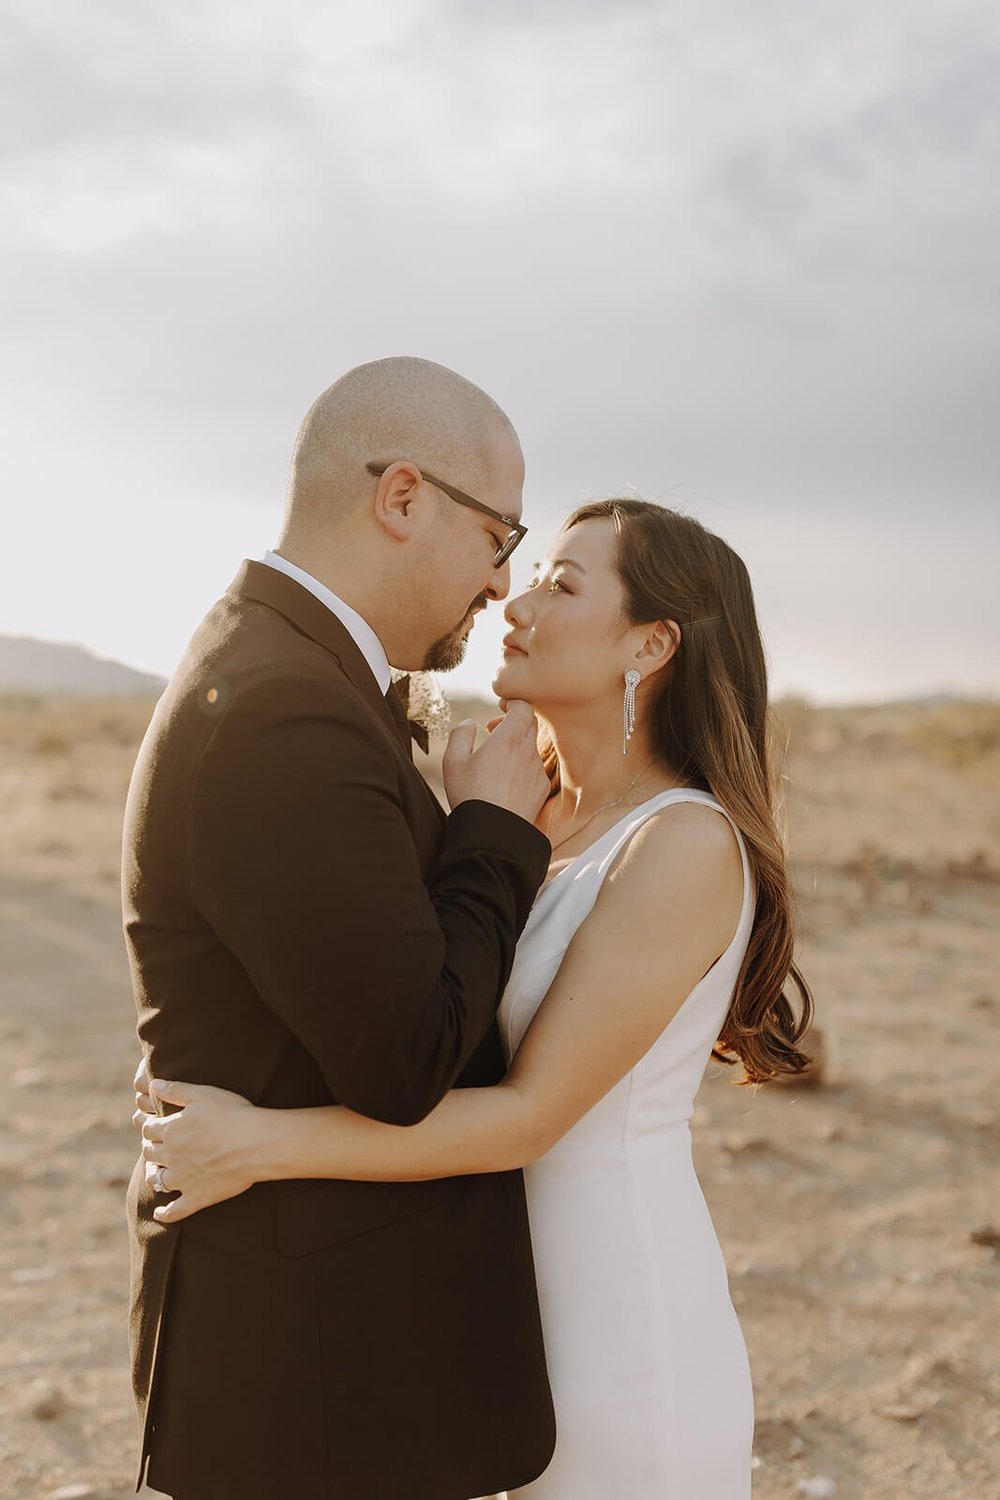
(361, 633)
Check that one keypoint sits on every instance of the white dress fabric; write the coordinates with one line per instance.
(646, 1357)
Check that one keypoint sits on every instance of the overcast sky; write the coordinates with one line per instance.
(742, 259)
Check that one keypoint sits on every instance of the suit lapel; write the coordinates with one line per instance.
(256, 581)
(265, 585)
(395, 706)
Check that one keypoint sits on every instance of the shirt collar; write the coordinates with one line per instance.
(360, 631)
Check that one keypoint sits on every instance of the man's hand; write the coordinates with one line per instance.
(506, 770)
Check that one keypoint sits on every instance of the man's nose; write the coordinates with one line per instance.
(499, 585)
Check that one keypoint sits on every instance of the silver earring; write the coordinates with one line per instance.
(632, 680)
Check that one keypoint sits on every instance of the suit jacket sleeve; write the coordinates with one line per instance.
(302, 862)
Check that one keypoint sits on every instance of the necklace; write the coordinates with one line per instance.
(605, 808)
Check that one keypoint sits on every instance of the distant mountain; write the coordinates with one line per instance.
(49, 667)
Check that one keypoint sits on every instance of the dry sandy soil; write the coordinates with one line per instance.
(860, 1217)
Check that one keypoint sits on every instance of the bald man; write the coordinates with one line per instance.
(306, 927)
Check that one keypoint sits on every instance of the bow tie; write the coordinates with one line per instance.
(419, 733)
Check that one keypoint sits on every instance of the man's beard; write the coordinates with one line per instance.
(449, 651)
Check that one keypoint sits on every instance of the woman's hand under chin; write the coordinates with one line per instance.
(208, 1150)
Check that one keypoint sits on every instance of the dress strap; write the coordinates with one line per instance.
(670, 798)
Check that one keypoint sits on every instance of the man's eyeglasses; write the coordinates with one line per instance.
(516, 532)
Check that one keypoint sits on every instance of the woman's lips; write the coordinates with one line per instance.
(510, 649)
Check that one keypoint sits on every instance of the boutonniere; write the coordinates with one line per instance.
(428, 711)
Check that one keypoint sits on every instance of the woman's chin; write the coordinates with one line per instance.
(509, 682)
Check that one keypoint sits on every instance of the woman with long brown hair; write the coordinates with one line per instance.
(663, 933)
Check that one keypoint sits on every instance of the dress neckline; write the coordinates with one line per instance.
(696, 791)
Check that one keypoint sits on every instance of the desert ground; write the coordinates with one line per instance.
(860, 1215)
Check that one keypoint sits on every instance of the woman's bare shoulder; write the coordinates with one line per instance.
(681, 866)
(683, 836)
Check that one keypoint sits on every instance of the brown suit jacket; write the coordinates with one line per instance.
(305, 926)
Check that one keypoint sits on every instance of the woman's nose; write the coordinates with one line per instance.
(517, 611)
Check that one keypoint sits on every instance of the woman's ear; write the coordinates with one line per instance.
(660, 646)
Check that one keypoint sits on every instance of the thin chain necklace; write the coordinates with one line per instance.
(607, 805)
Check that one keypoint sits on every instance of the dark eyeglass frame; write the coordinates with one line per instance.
(517, 531)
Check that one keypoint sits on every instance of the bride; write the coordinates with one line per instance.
(663, 933)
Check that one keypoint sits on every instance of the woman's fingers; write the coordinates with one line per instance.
(179, 1207)
(197, 1146)
(154, 1181)
(177, 1093)
(153, 1146)
(141, 1085)
(169, 1092)
(176, 1209)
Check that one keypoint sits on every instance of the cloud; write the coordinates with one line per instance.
(740, 259)
(691, 244)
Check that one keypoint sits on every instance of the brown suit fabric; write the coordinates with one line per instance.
(305, 926)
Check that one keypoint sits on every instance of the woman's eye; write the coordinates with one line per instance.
(533, 584)
(557, 584)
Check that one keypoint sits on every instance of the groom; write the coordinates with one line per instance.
(305, 926)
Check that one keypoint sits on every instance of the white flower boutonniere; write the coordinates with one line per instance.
(427, 708)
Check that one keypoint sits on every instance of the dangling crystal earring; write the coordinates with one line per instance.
(632, 680)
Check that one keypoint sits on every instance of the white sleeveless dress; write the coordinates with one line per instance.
(646, 1357)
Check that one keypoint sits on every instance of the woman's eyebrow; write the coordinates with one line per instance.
(568, 562)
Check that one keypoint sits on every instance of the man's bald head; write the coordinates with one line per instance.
(401, 408)
(416, 565)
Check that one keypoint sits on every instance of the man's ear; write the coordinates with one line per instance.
(662, 642)
(397, 490)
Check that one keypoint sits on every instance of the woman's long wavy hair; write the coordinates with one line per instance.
(710, 726)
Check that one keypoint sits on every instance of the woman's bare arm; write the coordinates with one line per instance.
(666, 911)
